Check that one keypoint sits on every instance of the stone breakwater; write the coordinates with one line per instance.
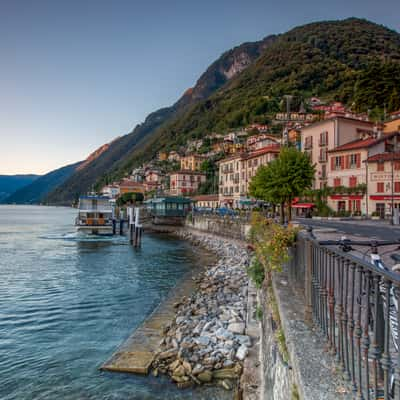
(207, 341)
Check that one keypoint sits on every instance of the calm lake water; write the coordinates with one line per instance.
(68, 301)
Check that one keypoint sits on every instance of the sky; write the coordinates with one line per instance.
(75, 74)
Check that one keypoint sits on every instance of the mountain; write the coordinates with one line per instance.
(120, 150)
(10, 183)
(353, 60)
(40, 187)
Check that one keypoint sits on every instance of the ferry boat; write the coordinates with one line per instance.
(95, 215)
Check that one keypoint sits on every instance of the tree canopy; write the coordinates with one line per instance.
(283, 179)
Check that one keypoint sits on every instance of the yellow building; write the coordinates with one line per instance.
(192, 162)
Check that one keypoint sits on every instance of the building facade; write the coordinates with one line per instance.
(192, 162)
(206, 201)
(319, 138)
(185, 182)
(236, 172)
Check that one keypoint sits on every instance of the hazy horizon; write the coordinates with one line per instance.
(77, 74)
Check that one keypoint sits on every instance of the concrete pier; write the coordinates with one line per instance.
(137, 353)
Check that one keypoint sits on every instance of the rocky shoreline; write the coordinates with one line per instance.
(206, 342)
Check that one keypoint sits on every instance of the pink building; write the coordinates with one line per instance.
(185, 182)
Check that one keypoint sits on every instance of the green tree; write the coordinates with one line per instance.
(129, 198)
(283, 179)
(394, 101)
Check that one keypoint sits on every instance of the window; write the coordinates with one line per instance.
(336, 182)
(338, 162)
(322, 155)
(353, 161)
(380, 187)
(353, 181)
(381, 167)
(308, 142)
(397, 187)
(323, 171)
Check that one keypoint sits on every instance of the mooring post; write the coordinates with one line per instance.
(138, 227)
(130, 221)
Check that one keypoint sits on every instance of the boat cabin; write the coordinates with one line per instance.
(95, 214)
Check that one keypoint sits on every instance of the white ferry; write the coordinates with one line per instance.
(95, 215)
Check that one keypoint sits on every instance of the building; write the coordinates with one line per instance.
(206, 201)
(174, 156)
(185, 182)
(230, 171)
(137, 175)
(153, 176)
(127, 186)
(236, 172)
(253, 161)
(383, 172)
(349, 167)
(111, 191)
(192, 162)
(393, 123)
(318, 138)
(263, 141)
(162, 156)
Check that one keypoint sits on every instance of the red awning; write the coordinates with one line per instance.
(303, 205)
(346, 196)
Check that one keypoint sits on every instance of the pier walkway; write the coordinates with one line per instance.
(137, 353)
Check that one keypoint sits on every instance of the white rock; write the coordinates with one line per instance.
(237, 327)
(242, 352)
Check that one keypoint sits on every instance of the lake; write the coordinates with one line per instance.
(67, 301)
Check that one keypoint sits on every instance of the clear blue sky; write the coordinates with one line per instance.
(75, 74)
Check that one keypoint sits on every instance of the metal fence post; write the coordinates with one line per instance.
(308, 281)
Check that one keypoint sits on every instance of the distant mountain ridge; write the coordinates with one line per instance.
(40, 187)
(328, 58)
(10, 183)
(37, 191)
(119, 152)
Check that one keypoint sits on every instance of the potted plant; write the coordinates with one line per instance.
(375, 216)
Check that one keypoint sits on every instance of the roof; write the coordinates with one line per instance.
(274, 148)
(363, 143)
(206, 197)
(356, 144)
(169, 199)
(186, 172)
(232, 157)
(337, 118)
(384, 157)
(130, 184)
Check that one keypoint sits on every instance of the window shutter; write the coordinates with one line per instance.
(342, 162)
(347, 161)
(358, 158)
(332, 163)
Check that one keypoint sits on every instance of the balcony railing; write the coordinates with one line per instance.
(355, 306)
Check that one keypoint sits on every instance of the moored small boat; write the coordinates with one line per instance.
(95, 215)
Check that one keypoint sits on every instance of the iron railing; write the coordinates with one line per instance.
(354, 304)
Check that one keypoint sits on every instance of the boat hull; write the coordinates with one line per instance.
(96, 230)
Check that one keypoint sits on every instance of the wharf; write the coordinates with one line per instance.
(137, 353)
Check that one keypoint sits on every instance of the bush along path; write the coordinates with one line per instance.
(206, 342)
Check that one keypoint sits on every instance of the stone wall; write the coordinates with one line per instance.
(278, 379)
(223, 226)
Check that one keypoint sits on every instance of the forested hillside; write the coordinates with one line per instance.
(354, 61)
